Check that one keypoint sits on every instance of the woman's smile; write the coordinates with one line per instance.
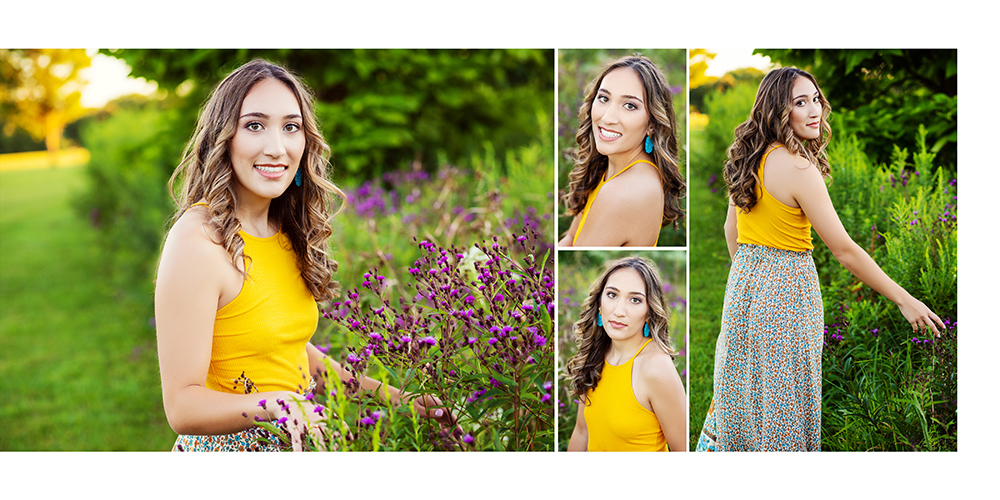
(608, 135)
(271, 171)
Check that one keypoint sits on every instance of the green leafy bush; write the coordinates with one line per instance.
(883, 387)
(126, 195)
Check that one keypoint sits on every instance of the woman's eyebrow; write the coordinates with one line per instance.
(613, 289)
(258, 114)
(804, 95)
(627, 96)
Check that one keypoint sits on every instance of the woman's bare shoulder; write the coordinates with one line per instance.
(192, 238)
(782, 158)
(637, 188)
(657, 366)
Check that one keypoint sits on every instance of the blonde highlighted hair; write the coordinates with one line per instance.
(769, 123)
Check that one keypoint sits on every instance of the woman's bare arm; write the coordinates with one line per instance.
(730, 228)
(578, 441)
(666, 396)
(810, 192)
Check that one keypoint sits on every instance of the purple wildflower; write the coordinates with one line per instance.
(428, 341)
(468, 439)
(540, 340)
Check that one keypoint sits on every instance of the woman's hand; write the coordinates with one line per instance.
(428, 406)
(920, 316)
(298, 417)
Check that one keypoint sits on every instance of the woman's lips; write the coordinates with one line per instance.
(608, 135)
(617, 325)
(270, 171)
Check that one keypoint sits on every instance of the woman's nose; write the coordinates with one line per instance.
(608, 115)
(275, 145)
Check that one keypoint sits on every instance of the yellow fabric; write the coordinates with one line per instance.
(615, 419)
(259, 339)
(772, 223)
(593, 195)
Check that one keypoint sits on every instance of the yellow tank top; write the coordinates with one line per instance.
(772, 223)
(259, 339)
(615, 419)
(593, 195)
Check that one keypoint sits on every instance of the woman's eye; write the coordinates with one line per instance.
(602, 98)
(611, 295)
(636, 300)
(800, 103)
(255, 127)
(292, 127)
(630, 106)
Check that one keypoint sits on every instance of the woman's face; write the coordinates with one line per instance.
(618, 115)
(806, 109)
(623, 304)
(269, 141)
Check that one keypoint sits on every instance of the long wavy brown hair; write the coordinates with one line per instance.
(767, 124)
(589, 165)
(592, 341)
(302, 213)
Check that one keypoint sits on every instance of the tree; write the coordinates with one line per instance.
(40, 92)
(883, 96)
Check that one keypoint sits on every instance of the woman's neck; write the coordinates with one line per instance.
(254, 217)
(621, 351)
(620, 161)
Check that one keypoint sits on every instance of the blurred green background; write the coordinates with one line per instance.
(577, 68)
(578, 269)
(453, 146)
(894, 185)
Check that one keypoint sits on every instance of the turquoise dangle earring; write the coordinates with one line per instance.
(645, 329)
(298, 177)
(649, 145)
(600, 321)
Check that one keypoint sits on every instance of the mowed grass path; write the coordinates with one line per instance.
(78, 367)
(709, 263)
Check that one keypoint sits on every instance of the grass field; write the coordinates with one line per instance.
(709, 264)
(78, 363)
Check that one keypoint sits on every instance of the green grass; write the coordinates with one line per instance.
(709, 264)
(78, 365)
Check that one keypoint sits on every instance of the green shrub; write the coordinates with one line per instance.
(126, 195)
(883, 387)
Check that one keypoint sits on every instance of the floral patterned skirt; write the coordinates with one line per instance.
(768, 358)
(246, 440)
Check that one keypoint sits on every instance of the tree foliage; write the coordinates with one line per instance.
(380, 109)
(882, 96)
(40, 91)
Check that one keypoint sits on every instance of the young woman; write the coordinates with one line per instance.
(625, 184)
(631, 397)
(768, 370)
(243, 267)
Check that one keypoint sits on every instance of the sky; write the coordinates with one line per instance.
(107, 79)
(726, 60)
